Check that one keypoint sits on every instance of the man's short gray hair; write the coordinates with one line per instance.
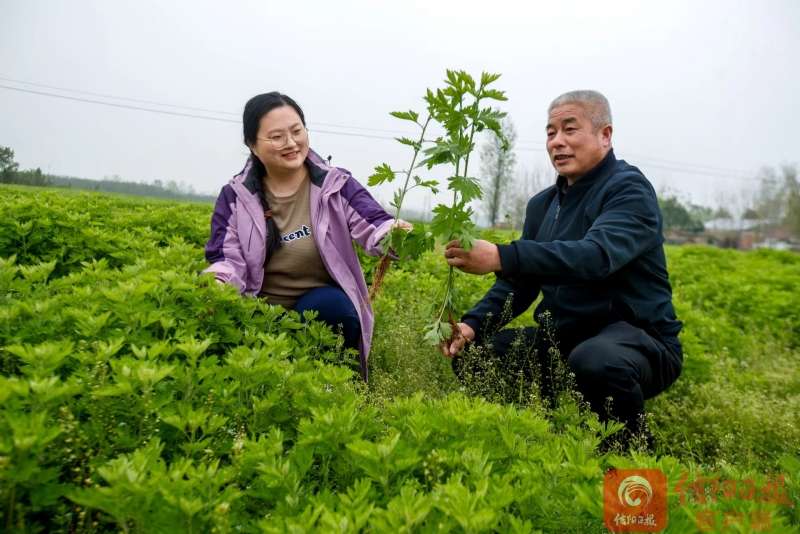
(595, 103)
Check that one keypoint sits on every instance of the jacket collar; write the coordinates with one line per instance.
(601, 169)
(318, 170)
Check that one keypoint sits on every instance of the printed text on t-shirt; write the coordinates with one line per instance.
(301, 233)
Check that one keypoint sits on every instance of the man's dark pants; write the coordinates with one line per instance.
(620, 361)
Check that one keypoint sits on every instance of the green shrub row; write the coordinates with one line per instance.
(138, 395)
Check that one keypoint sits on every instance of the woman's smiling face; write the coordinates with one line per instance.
(282, 140)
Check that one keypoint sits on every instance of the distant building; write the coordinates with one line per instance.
(747, 234)
(732, 225)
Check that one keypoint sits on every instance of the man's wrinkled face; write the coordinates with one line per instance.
(574, 146)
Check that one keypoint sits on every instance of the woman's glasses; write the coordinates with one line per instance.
(281, 139)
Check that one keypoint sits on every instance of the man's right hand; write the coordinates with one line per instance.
(466, 333)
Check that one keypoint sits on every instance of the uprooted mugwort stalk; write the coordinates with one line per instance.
(457, 109)
(400, 242)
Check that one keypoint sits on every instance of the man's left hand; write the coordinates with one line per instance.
(482, 258)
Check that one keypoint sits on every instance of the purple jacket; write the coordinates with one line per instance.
(342, 211)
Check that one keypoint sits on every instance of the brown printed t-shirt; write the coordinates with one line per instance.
(296, 266)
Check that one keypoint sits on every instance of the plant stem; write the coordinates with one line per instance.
(446, 300)
(383, 265)
(447, 304)
(411, 167)
(11, 506)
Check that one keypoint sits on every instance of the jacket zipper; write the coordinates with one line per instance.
(552, 235)
(555, 218)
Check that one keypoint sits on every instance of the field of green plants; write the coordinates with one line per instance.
(138, 395)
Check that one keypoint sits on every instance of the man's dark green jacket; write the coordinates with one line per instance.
(595, 250)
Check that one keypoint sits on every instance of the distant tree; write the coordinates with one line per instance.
(186, 188)
(768, 197)
(700, 213)
(792, 190)
(676, 216)
(34, 177)
(722, 213)
(39, 178)
(778, 197)
(497, 166)
(10, 173)
(524, 185)
(8, 167)
(750, 214)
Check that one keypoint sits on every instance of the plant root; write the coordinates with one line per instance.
(377, 278)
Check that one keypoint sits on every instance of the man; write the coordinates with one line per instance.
(592, 244)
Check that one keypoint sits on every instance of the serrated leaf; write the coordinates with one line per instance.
(438, 154)
(494, 94)
(409, 115)
(433, 333)
(411, 245)
(409, 142)
(383, 173)
(431, 185)
(467, 81)
(488, 78)
(445, 330)
(397, 199)
(449, 220)
(469, 188)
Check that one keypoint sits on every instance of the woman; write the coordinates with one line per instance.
(284, 227)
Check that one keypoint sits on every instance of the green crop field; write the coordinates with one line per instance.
(138, 395)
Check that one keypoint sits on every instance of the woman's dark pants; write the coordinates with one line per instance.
(334, 309)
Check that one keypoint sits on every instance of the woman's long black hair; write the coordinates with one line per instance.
(257, 107)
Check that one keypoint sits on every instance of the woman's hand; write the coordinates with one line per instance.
(403, 225)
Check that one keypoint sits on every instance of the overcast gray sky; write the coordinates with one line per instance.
(702, 93)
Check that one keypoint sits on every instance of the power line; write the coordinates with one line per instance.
(666, 165)
(176, 113)
(115, 105)
(115, 97)
(176, 106)
(352, 134)
(674, 168)
(697, 171)
(684, 164)
(687, 165)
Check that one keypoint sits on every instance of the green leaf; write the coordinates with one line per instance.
(397, 199)
(409, 115)
(437, 332)
(416, 145)
(411, 245)
(37, 274)
(467, 82)
(383, 173)
(441, 152)
(491, 119)
(494, 94)
(432, 185)
(451, 78)
(469, 188)
(448, 221)
(488, 78)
